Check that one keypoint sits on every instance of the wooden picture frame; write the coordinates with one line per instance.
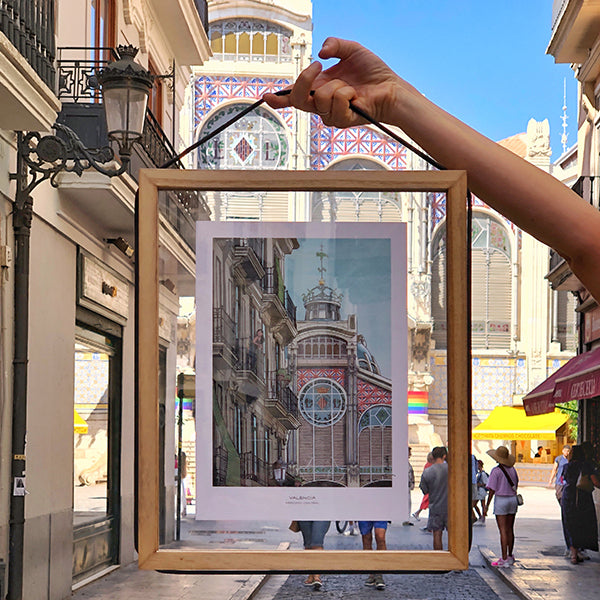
(151, 556)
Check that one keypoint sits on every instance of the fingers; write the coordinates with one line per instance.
(332, 103)
(300, 95)
(338, 48)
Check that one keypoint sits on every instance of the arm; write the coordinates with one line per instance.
(553, 474)
(532, 199)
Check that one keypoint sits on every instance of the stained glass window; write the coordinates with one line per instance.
(322, 402)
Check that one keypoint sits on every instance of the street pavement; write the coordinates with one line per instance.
(541, 570)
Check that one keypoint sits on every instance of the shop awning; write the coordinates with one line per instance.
(578, 379)
(79, 425)
(511, 423)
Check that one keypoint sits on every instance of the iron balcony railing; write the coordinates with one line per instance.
(220, 462)
(272, 285)
(223, 328)
(29, 26)
(278, 386)
(82, 111)
(254, 469)
(251, 357)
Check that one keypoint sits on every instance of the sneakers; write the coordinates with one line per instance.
(510, 560)
(355, 530)
(317, 584)
(379, 583)
(501, 563)
(416, 516)
(371, 580)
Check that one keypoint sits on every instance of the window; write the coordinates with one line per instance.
(491, 282)
(356, 206)
(250, 40)
(257, 141)
(322, 402)
(322, 347)
(155, 100)
(102, 23)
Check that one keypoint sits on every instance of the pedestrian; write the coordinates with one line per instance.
(434, 482)
(313, 537)
(556, 475)
(411, 487)
(474, 498)
(533, 200)
(580, 525)
(502, 486)
(482, 480)
(425, 501)
(366, 530)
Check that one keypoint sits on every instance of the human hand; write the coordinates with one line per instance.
(359, 77)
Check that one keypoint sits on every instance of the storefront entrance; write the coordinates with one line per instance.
(96, 438)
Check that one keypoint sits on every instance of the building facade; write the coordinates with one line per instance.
(74, 478)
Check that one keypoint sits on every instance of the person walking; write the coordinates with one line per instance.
(580, 526)
(366, 530)
(482, 480)
(502, 486)
(434, 482)
(313, 536)
(556, 476)
(425, 501)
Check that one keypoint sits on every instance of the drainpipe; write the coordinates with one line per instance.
(22, 216)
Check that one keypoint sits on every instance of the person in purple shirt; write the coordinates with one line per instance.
(502, 486)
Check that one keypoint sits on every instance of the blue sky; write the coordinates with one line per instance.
(360, 270)
(484, 62)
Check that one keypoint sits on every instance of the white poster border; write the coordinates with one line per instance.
(300, 503)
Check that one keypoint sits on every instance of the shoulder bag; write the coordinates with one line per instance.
(520, 500)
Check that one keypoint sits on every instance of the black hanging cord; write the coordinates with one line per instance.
(251, 107)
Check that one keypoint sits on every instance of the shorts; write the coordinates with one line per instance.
(367, 526)
(313, 532)
(437, 522)
(505, 505)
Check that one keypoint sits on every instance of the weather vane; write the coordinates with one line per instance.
(321, 254)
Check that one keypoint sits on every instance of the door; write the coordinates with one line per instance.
(96, 437)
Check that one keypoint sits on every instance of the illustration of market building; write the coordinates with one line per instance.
(345, 404)
(522, 331)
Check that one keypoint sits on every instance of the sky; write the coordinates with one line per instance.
(484, 62)
(360, 270)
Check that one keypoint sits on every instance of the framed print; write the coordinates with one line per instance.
(298, 340)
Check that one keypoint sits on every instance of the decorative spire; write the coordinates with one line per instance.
(564, 117)
(322, 270)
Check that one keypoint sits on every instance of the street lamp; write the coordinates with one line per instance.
(279, 469)
(126, 87)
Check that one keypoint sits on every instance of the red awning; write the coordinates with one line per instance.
(578, 379)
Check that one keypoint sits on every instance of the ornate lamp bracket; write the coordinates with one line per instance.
(46, 156)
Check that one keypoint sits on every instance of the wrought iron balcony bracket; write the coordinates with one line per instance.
(45, 156)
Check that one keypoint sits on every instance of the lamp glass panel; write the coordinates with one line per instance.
(125, 112)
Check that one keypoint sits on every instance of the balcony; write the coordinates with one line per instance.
(185, 24)
(248, 258)
(250, 367)
(281, 401)
(224, 342)
(83, 112)
(220, 462)
(575, 27)
(560, 275)
(27, 75)
(278, 309)
(255, 471)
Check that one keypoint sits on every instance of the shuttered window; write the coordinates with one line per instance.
(491, 285)
(565, 327)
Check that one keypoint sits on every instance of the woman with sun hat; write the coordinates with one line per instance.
(502, 486)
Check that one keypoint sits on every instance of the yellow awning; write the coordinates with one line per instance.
(79, 425)
(511, 423)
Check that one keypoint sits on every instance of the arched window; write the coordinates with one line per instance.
(322, 347)
(257, 141)
(375, 444)
(376, 416)
(250, 40)
(491, 285)
(356, 206)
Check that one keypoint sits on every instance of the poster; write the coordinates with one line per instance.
(301, 371)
